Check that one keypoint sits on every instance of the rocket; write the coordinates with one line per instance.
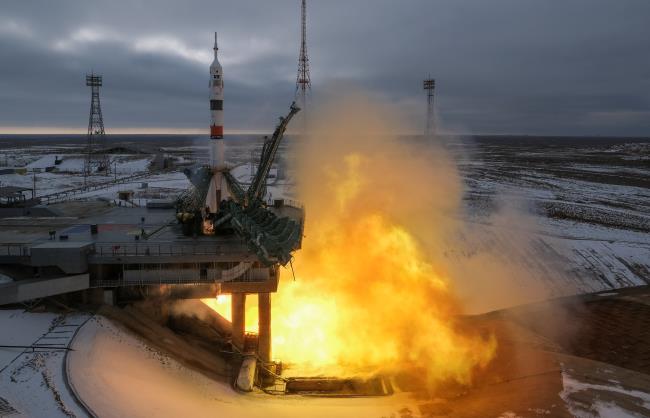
(216, 96)
(218, 189)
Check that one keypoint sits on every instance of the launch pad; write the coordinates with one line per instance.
(114, 252)
(217, 238)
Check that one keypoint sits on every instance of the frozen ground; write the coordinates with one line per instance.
(116, 373)
(575, 210)
(582, 224)
(587, 399)
(32, 382)
(583, 202)
(581, 206)
(167, 389)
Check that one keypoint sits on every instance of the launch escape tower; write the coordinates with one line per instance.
(303, 80)
(429, 86)
(96, 157)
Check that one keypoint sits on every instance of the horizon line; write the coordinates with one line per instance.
(21, 130)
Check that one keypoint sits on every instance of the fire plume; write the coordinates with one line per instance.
(368, 297)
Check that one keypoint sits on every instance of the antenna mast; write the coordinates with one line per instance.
(96, 157)
(303, 81)
(429, 86)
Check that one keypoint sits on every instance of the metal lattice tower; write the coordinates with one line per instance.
(96, 157)
(429, 86)
(303, 80)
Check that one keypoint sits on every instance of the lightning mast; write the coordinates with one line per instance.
(96, 157)
(303, 80)
(429, 86)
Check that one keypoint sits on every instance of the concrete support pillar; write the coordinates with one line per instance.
(93, 296)
(264, 323)
(109, 297)
(238, 307)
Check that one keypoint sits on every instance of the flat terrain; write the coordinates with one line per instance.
(545, 223)
(570, 214)
(583, 205)
(549, 363)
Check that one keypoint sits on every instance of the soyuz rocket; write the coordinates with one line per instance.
(218, 189)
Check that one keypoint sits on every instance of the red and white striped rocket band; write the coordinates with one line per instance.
(216, 96)
(216, 132)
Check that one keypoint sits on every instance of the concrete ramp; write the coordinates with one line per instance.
(70, 256)
(24, 290)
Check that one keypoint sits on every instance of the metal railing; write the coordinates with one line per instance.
(12, 249)
(76, 193)
(132, 282)
(294, 203)
(144, 249)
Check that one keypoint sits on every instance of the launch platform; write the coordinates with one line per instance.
(105, 253)
(219, 236)
(118, 246)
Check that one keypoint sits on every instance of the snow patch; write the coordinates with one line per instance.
(599, 408)
(33, 381)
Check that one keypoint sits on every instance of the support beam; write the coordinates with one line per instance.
(264, 323)
(238, 319)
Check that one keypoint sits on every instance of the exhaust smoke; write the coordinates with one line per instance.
(367, 299)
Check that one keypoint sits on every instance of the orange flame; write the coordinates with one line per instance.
(222, 305)
(367, 298)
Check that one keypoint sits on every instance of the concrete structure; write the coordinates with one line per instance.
(106, 254)
(11, 195)
(238, 315)
(246, 377)
(70, 257)
(264, 326)
(24, 290)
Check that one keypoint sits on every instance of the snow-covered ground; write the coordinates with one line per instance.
(570, 217)
(572, 214)
(67, 175)
(111, 367)
(588, 398)
(33, 382)
(581, 233)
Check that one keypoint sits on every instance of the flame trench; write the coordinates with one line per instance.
(366, 298)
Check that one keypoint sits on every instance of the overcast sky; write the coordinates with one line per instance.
(501, 66)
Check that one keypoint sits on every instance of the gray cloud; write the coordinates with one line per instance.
(503, 66)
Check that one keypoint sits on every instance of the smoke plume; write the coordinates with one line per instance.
(367, 297)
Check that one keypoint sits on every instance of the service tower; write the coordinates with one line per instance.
(218, 189)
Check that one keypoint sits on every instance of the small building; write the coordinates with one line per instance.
(12, 195)
(125, 194)
(161, 161)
